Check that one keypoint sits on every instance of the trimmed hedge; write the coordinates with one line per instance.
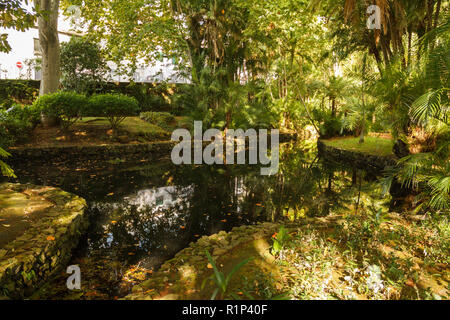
(17, 91)
(116, 107)
(150, 96)
(68, 106)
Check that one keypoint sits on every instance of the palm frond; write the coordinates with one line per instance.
(429, 106)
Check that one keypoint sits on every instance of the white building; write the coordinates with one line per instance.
(25, 49)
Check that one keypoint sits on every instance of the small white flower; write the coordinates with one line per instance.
(374, 281)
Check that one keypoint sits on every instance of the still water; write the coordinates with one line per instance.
(142, 213)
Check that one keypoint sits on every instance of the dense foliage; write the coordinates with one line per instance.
(116, 107)
(14, 16)
(292, 64)
(66, 106)
(162, 119)
(83, 67)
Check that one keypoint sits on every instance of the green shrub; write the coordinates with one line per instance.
(162, 119)
(30, 114)
(17, 123)
(67, 106)
(13, 130)
(331, 127)
(116, 107)
(83, 67)
(17, 91)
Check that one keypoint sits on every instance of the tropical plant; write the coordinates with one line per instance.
(279, 241)
(4, 168)
(221, 280)
(429, 172)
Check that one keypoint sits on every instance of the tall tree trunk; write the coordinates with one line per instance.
(430, 6)
(333, 107)
(409, 47)
(436, 21)
(436, 15)
(49, 41)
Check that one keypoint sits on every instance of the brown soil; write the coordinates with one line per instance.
(78, 135)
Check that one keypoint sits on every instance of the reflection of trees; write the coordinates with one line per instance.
(142, 222)
(304, 184)
(170, 204)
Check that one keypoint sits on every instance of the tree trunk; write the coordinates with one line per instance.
(436, 16)
(333, 107)
(409, 47)
(49, 41)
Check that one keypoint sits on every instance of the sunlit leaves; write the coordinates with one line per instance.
(430, 106)
(14, 15)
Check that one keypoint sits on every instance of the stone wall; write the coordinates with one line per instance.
(189, 265)
(370, 163)
(82, 153)
(45, 247)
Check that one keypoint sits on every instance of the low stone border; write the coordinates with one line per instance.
(364, 161)
(194, 258)
(82, 153)
(46, 246)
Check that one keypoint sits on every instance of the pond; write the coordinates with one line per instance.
(142, 213)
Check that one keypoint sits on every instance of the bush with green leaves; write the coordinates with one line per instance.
(67, 106)
(17, 123)
(83, 67)
(17, 91)
(331, 127)
(115, 107)
(162, 119)
(25, 113)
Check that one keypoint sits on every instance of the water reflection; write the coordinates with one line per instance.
(143, 213)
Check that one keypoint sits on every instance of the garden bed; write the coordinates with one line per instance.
(337, 257)
(91, 131)
(370, 157)
(39, 226)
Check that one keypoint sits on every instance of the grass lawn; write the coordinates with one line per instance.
(371, 145)
(133, 125)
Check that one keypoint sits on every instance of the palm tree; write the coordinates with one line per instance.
(4, 168)
(400, 19)
(429, 172)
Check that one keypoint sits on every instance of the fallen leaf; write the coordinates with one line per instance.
(332, 240)
(410, 283)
